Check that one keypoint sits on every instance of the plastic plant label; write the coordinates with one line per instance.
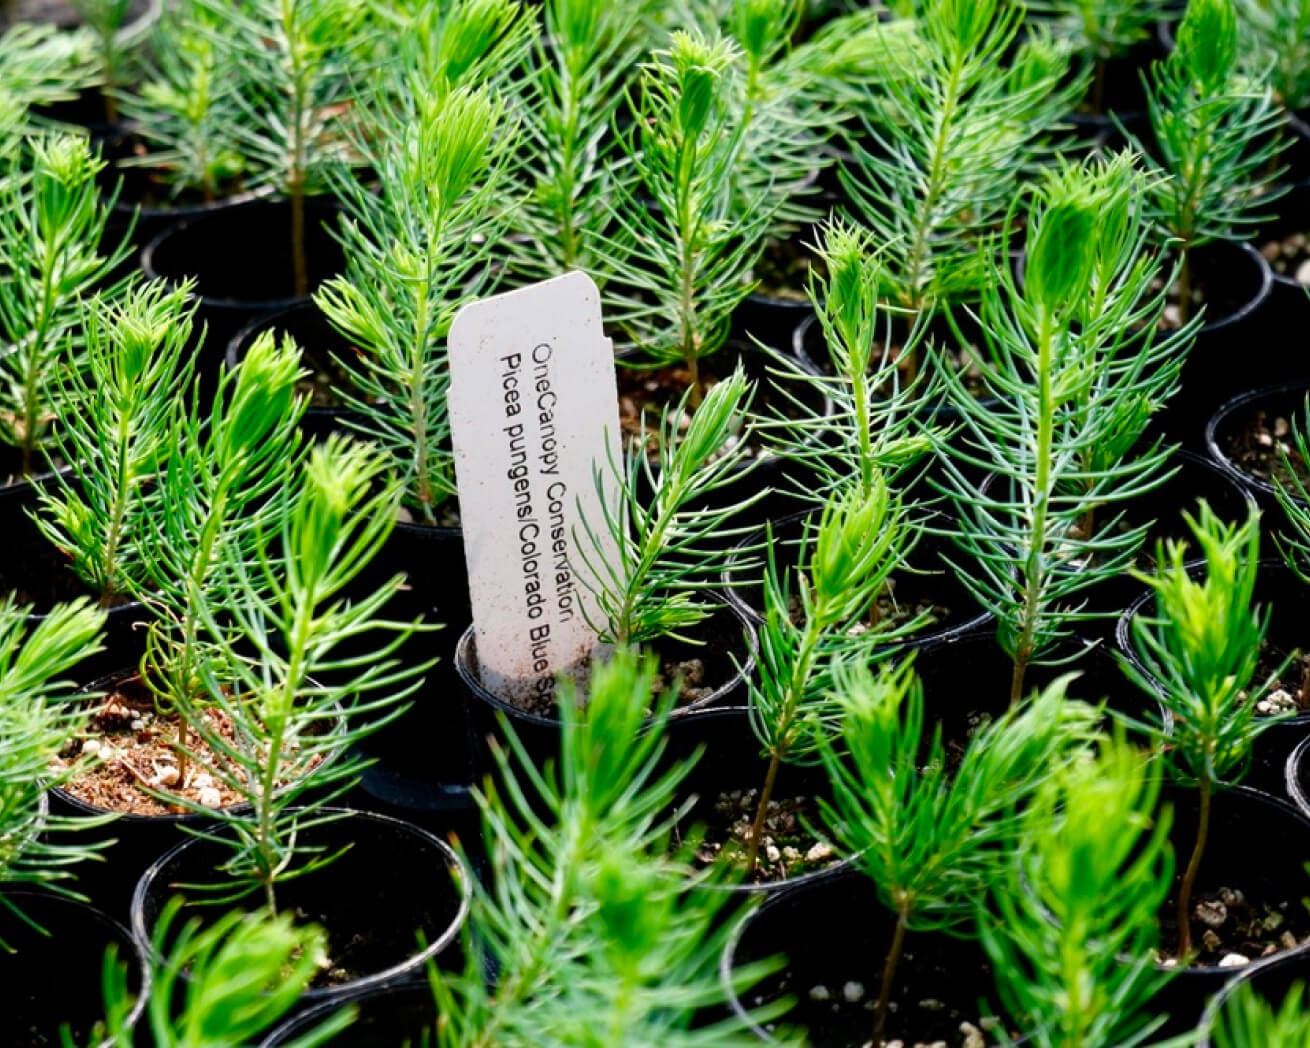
(534, 421)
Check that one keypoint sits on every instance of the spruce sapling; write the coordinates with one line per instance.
(1248, 1021)
(687, 231)
(933, 839)
(300, 57)
(1198, 655)
(1076, 368)
(1071, 922)
(1279, 31)
(1103, 30)
(417, 247)
(843, 564)
(275, 635)
(235, 978)
(52, 226)
(1217, 137)
(123, 410)
(933, 167)
(37, 724)
(670, 544)
(40, 65)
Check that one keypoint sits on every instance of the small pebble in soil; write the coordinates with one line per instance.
(1303, 273)
(1211, 912)
(973, 1037)
(1233, 960)
(819, 852)
(853, 992)
(820, 993)
(1276, 701)
(209, 797)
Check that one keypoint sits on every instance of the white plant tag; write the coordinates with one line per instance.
(533, 415)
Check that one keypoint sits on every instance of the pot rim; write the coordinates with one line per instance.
(1231, 407)
(142, 937)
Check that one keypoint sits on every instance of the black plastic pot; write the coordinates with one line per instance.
(1237, 284)
(928, 579)
(727, 651)
(1270, 980)
(1123, 98)
(387, 1015)
(240, 259)
(1296, 777)
(1257, 845)
(1289, 305)
(1288, 599)
(321, 347)
(394, 887)
(53, 978)
(1235, 434)
(422, 759)
(834, 936)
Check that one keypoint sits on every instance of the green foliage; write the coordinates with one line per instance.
(670, 543)
(1199, 651)
(187, 106)
(1248, 1021)
(842, 565)
(52, 223)
(580, 69)
(280, 632)
(119, 426)
(1216, 131)
(224, 480)
(236, 977)
(114, 44)
(688, 230)
(875, 425)
(587, 917)
(1076, 367)
(39, 65)
(1279, 33)
(1103, 29)
(37, 722)
(1071, 925)
(418, 245)
(941, 148)
(1294, 500)
(1198, 655)
(933, 838)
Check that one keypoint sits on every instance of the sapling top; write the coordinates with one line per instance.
(1216, 128)
(687, 230)
(934, 166)
(1076, 368)
(1070, 922)
(37, 723)
(1247, 1020)
(276, 634)
(418, 245)
(235, 978)
(579, 69)
(187, 105)
(588, 919)
(876, 425)
(671, 545)
(1198, 655)
(124, 410)
(52, 226)
(227, 474)
(933, 838)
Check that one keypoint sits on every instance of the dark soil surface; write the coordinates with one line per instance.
(1256, 445)
(1289, 256)
(135, 749)
(783, 271)
(1228, 924)
(788, 848)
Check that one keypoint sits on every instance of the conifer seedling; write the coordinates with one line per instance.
(1198, 655)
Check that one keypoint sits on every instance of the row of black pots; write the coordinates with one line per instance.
(393, 901)
(834, 935)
